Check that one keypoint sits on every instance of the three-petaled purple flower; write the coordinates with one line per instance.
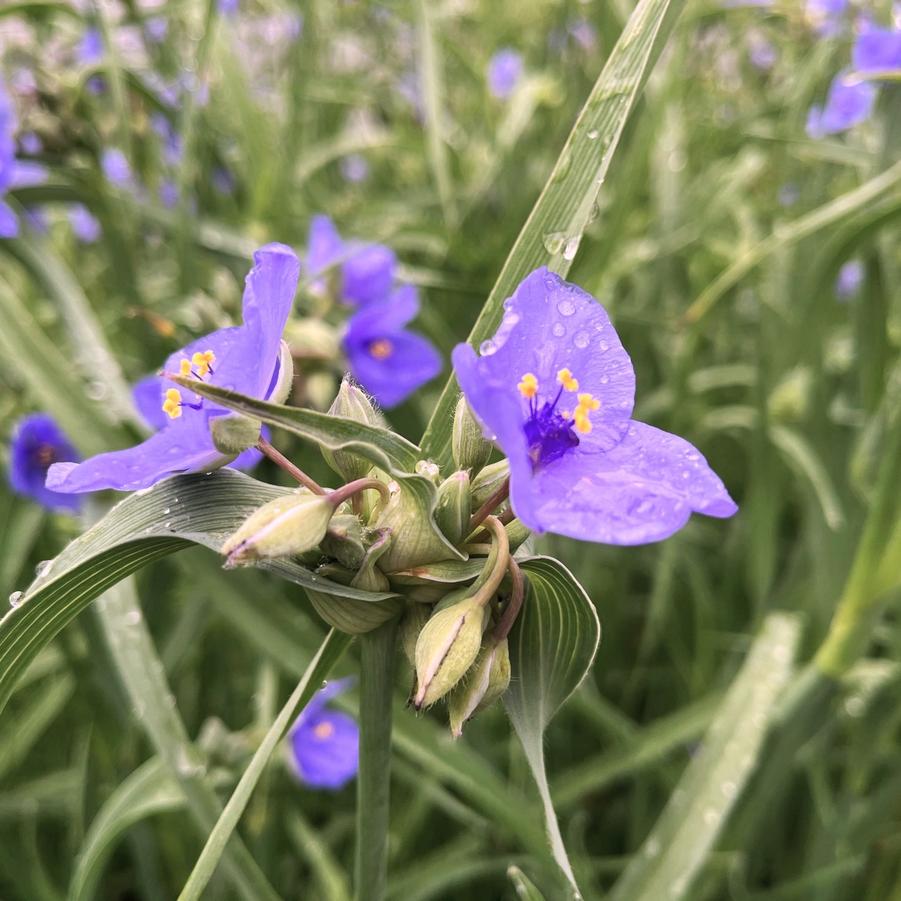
(324, 744)
(244, 358)
(37, 443)
(388, 361)
(554, 389)
(505, 70)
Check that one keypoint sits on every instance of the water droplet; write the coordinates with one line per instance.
(133, 617)
(97, 390)
(165, 510)
(581, 339)
(15, 598)
(572, 247)
(566, 308)
(711, 816)
(43, 569)
(593, 134)
(487, 348)
(729, 789)
(652, 847)
(554, 241)
(559, 330)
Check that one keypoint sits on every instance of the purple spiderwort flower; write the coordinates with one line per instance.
(848, 103)
(156, 28)
(354, 168)
(149, 395)
(826, 16)
(38, 442)
(388, 361)
(761, 51)
(877, 50)
(849, 279)
(324, 744)
(365, 272)
(116, 168)
(84, 224)
(554, 389)
(505, 70)
(90, 50)
(243, 357)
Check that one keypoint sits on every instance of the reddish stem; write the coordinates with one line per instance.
(282, 461)
(514, 604)
(486, 509)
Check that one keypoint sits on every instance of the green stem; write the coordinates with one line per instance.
(378, 654)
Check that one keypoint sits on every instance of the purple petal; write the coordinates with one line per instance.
(385, 318)
(26, 174)
(411, 361)
(178, 448)
(504, 72)
(324, 246)
(147, 395)
(9, 223)
(368, 274)
(36, 442)
(84, 224)
(877, 50)
(325, 750)
(848, 104)
(550, 325)
(641, 491)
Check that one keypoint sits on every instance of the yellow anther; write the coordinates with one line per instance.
(381, 349)
(528, 386)
(184, 367)
(582, 422)
(172, 403)
(203, 361)
(565, 377)
(323, 730)
(589, 402)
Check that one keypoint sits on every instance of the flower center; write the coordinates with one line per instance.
(381, 348)
(552, 432)
(200, 365)
(323, 730)
(45, 455)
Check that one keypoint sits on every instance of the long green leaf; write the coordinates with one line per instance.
(683, 837)
(333, 647)
(142, 528)
(552, 647)
(567, 204)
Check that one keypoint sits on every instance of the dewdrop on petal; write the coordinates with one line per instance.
(281, 528)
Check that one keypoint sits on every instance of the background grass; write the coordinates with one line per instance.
(789, 391)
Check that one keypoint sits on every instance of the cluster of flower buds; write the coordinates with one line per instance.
(385, 546)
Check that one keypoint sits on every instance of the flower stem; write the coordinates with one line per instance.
(378, 654)
(283, 462)
(483, 512)
(353, 489)
(514, 604)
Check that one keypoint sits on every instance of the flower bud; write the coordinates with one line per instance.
(453, 509)
(446, 648)
(470, 448)
(313, 339)
(488, 481)
(351, 403)
(351, 615)
(414, 619)
(233, 434)
(344, 540)
(517, 534)
(486, 681)
(283, 527)
(428, 470)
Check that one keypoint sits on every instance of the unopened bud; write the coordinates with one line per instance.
(351, 403)
(344, 540)
(446, 648)
(414, 619)
(488, 481)
(470, 448)
(453, 510)
(486, 681)
(283, 527)
(313, 339)
(517, 534)
(233, 434)
(349, 614)
(429, 470)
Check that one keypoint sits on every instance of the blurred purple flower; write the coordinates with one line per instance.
(243, 357)
(762, 52)
(30, 143)
(84, 224)
(849, 279)
(116, 168)
(172, 142)
(168, 193)
(388, 361)
(90, 50)
(228, 7)
(324, 744)
(848, 103)
(37, 443)
(554, 390)
(223, 181)
(157, 28)
(361, 273)
(584, 34)
(505, 70)
(14, 173)
(877, 50)
(826, 17)
(354, 168)
(36, 219)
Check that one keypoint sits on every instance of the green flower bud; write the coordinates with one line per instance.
(453, 510)
(446, 648)
(470, 448)
(351, 615)
(428, 470)
(517, 533)
(488, 481)
(344, 540)
(283, 527)
(351, 403)
(414, 619)
(486, 681)
(233, 434)
(313, 339)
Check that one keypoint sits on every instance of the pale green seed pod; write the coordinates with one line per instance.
(352, 615)
(453, 510)
(233, 434)
(486, 681)
(470, 448)
(446, 648)
(283, 527)
(488, 481)
(351, 403)
(414, 620)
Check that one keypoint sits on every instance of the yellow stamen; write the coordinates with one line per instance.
(172, 403)
(324, 730)
(184, 367)
(528, 386)
(589, 402)
(381, 349)
(203, 361)
(565, 377)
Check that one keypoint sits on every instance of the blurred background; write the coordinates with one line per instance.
(745, 243)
